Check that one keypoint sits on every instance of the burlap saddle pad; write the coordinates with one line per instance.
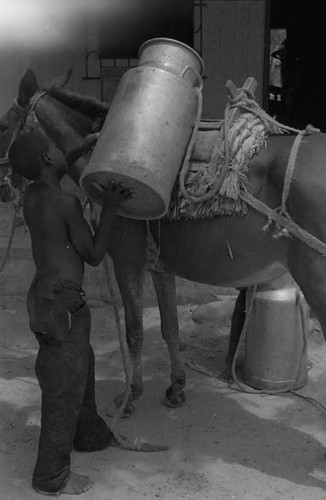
(201, 176)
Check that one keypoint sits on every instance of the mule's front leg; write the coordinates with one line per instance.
(131, 289)
(166, 295)
(128, 250)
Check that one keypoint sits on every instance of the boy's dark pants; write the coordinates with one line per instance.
(60, 319)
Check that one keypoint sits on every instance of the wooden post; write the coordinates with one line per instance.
(233, 91)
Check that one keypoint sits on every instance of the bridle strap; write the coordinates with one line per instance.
(23, 114)
(15, 134)
(35, 99)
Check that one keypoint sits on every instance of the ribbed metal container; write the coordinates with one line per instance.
(275, 352)
(148, 128)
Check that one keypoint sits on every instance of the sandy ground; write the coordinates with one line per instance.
(223, 444)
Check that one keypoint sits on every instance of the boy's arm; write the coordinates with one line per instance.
(92, 248)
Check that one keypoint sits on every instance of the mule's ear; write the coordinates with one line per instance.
(27, 87)
(61, 81)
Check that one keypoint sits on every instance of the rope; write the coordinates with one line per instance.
(17, 206)
(4, 159)
(290, 170)
(290, 167)
(286, 222)
(95, 217)
(246, 101)
(124, 443)
(10, 240)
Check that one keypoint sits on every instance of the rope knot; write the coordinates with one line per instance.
(311, 130)
(279, 231)
(244, 96)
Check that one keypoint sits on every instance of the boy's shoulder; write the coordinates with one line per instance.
(68, 200)
(61, 198)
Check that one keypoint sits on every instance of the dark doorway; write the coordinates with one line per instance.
(301, 99)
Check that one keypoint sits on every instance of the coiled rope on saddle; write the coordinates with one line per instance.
(214, 188)
(242, 139)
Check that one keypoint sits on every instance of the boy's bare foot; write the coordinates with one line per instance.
(76, 485)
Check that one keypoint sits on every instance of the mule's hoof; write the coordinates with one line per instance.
(176, 402)
(114, 409)
(128, 409)
(226, 374)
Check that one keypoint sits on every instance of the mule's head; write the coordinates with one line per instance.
(9, 124)
(64, 117)
(15, 121)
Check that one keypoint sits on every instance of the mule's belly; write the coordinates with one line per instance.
(224, 251)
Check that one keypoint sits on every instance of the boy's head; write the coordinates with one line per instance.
(32, 152)
(26, 154)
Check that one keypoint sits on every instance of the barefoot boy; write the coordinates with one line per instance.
(62, 242)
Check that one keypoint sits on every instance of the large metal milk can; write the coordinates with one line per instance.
(148, 128)
(275, 344)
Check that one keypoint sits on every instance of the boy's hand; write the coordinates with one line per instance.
(89, 141)
(115, 193)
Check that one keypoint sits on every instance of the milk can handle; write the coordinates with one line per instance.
(199, 78)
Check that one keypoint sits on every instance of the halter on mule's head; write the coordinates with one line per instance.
(63, 116)
(20, 118)
(26, 120)
(13, 122)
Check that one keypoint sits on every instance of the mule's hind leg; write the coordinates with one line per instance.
(237, 322)
(166, 295)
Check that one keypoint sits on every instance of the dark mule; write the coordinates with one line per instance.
(200, 251)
